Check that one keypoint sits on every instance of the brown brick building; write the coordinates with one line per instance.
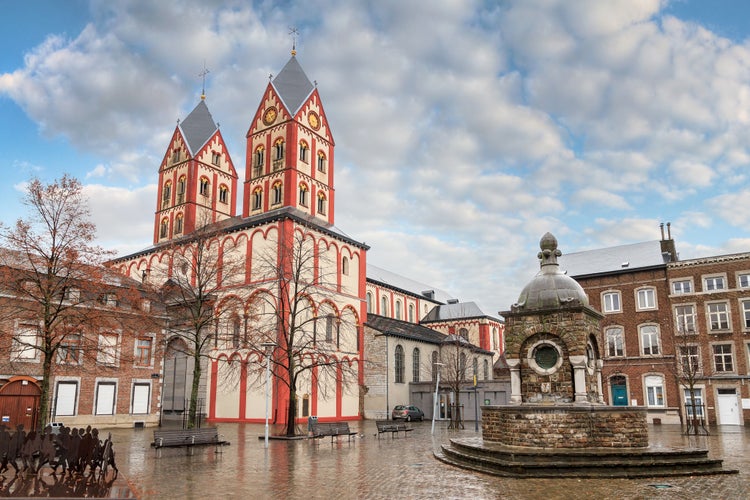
(663, 316)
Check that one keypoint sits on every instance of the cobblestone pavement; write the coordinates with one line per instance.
(402, 467)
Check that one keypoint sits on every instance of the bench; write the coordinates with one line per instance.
(166, 438)
(333, 429)
(390, 426)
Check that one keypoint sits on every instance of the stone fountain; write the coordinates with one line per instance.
(557, 423)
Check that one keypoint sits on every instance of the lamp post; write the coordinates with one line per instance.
(268, 348)
(436, 406)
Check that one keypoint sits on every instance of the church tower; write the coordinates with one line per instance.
(289, 158)
(197, 179)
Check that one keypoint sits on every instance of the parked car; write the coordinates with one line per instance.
(407, 412)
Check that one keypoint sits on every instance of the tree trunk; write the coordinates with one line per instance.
(44, 400)
(291, 426)
(193, 408)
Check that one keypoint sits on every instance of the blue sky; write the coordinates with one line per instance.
(464, 130)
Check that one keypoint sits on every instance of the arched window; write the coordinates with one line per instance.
(329, 328)
(383, 306)
(398, 364)
(176, 155)
(321, 203)
(166, 195)
(462, 366)
(397, 314)
(435, 366)
(494, 339)
(236, 327)
(411, 313)
(486, 370)
(464, 333)
(223, 194)
(475, 367)
(277, 192)
(369, 302)
(258, 161)
(345, 266)
(303, 195)
(258, 198)
(415, 365)
(321, 161)
(279, 148)
(303, 150)
(204, 186)
(178, 224)
(181, 189)
(164, 228)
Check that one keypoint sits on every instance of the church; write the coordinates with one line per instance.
(280, 280)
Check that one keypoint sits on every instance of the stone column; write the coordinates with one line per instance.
(599, 390)
(579, 376)
(515, 380)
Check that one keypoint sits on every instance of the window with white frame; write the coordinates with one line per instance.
(611, 302)
(745, 308)
(107, 349)
(689, 359)
(66, 397)
(649, 340)
(615, 341)
(646, 298)
(105, 398)
(713, 283)
(685, 319)
(25, 343)
(718, 316)
(654, 390)
(694, 402)
(143, 349)
(682, 286)
(743, 280)
(723, 361)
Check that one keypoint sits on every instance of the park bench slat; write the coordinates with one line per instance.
(187, 437)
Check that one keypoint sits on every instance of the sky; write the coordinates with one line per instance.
(464, 130)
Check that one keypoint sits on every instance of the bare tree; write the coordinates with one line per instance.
(59, 290)
(197, 274)
(307, 337)
(687, 370)
(453, 355)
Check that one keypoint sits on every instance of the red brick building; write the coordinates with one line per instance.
(662, 316)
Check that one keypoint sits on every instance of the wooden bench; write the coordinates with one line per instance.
(333, 429)
(165, 438)
(390, 426)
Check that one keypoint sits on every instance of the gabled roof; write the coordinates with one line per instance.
(393, 280)
(454, 311)
(404, 329)
(618, 259)
(198, 127)
(292, 85)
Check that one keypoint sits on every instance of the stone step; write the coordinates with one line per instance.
(594, 467)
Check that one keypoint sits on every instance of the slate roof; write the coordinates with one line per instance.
(622, 258)
(448, 312)
(393, 280)
(198, 127)
(403, 329)
(292, 85)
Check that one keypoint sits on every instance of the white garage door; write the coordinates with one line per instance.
(65, 403)
(105, 398)
(141, 395)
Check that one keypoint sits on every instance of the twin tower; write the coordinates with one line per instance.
(288, 162)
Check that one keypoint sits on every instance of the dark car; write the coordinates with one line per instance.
(407, 412)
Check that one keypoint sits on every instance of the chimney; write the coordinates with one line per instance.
(668, 248)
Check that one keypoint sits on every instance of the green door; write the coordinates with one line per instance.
(619, 395)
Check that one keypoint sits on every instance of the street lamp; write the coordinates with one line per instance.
(436, 407)
(268, 348)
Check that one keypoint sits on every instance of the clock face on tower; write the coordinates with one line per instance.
(313, 120)
(269, 116)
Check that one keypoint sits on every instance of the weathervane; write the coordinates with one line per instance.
(294, 33)
(203, 74)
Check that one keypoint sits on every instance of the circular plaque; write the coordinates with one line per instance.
(546, 356)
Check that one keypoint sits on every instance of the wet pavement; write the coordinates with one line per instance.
(400, 467)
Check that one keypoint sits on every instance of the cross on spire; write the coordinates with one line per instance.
(203, 74)
(294, 34)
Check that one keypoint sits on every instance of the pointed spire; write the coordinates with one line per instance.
(292, 85)
(198, 127)
(203, 74)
